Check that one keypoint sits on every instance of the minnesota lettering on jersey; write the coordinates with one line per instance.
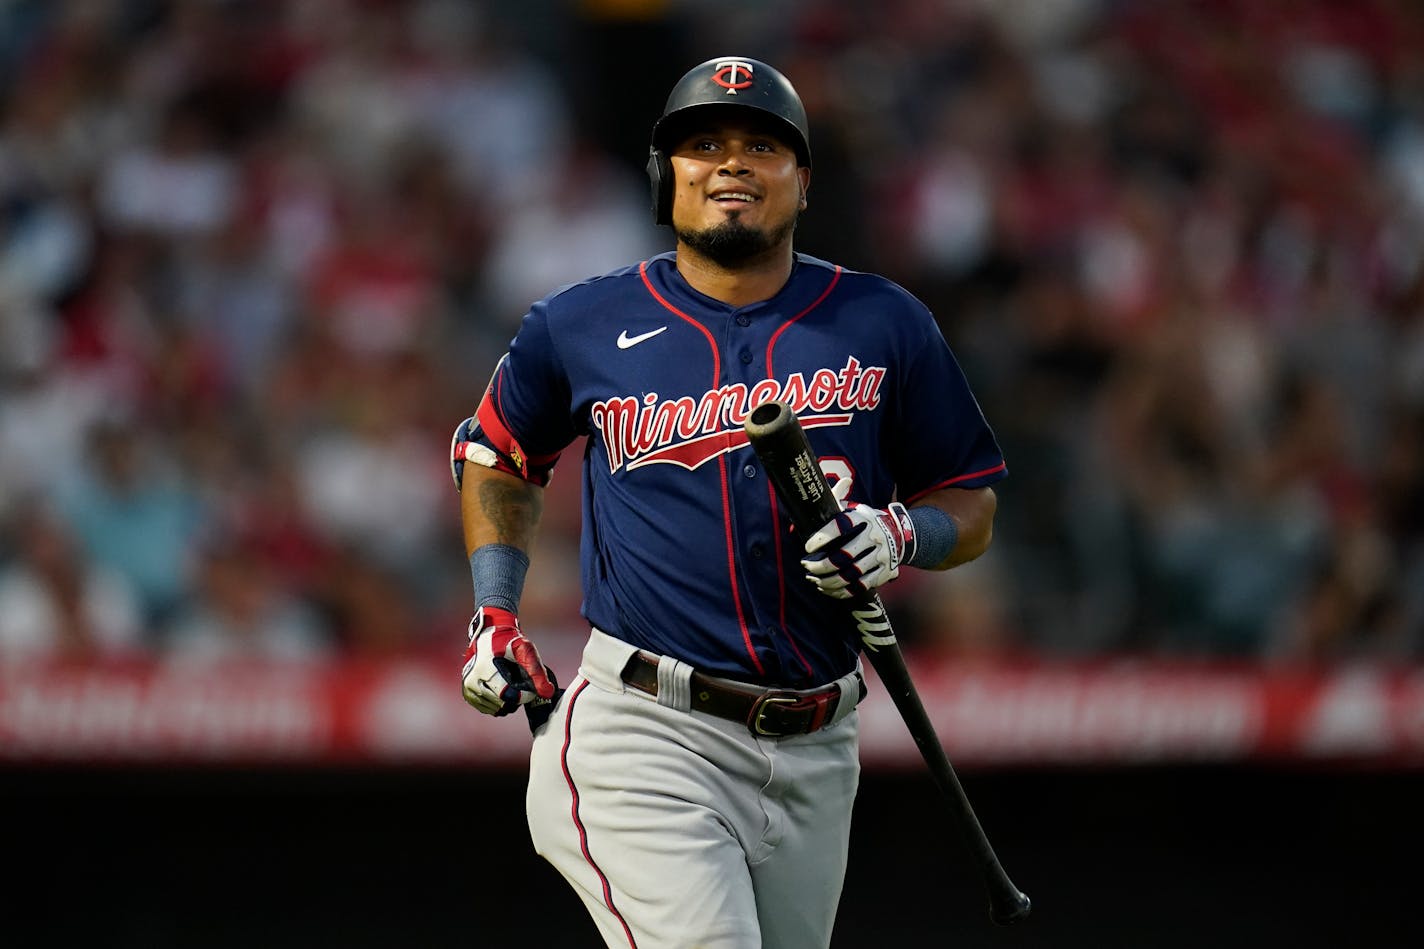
(690, 431)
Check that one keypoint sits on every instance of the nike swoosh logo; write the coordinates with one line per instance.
(625, 341)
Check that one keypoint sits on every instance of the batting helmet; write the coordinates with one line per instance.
(727, 82)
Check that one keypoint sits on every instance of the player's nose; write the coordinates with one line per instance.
(734, 161)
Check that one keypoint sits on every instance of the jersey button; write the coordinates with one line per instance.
(749, 471)
(743, 320)
(745, 355)
(758, 551)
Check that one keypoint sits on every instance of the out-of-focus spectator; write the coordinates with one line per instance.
(177, 185)
(56, 603)
(371, 294)
(371, 607)
(133, 514)
(46, 411)
(590, 217)
(234, 298)
(356, 95)
(242, 611)
(375, 481)
(496, 110)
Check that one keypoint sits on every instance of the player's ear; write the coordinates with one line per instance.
(804, 175)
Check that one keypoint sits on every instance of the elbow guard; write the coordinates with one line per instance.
(484, 440)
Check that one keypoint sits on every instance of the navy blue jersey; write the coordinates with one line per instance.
(684, 549)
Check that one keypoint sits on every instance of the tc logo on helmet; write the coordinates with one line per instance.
(729, 73)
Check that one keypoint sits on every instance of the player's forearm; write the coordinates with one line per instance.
(499, 508)
(972, 511)
(502, 669)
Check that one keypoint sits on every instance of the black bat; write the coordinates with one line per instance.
(779, 441)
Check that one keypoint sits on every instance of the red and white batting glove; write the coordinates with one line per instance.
(502, 669)
(859, 550)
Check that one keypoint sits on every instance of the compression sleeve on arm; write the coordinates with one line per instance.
(935, 536)
(498, 573)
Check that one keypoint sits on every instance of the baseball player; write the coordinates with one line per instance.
(694, 780)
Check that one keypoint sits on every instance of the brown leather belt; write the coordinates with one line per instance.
(769, 713)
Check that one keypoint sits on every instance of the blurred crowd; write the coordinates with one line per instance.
(258, 258)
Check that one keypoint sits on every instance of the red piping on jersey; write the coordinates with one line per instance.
(775, 518)
(955, 480)
(490, 416)
(722, 470)
(578, 823)
(835, 279)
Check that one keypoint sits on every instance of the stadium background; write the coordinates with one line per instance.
(257, 258)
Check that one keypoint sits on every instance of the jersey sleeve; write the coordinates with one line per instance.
(941, 436)
(523, 422)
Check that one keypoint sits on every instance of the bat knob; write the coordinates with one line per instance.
(1009, 908)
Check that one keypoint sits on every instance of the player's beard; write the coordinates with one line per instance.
(732, 242)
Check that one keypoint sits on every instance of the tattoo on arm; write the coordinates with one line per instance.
(512, 508)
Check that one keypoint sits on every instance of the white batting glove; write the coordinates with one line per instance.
(502, 669)
(860, 549)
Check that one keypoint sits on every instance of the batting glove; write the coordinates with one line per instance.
(502, 669)
(859, 550)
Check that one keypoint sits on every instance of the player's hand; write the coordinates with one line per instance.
(859, 550)
(502, 669)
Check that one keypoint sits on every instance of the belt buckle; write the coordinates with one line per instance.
(759, 713)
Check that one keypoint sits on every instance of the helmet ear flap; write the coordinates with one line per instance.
(660, 180)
